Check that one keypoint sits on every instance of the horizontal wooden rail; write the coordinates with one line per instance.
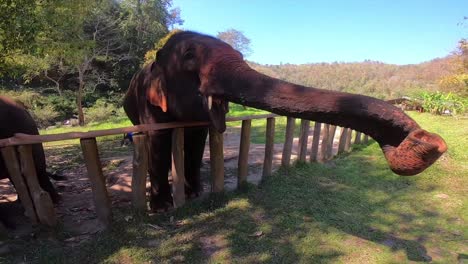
(250, 117)
(23, 139)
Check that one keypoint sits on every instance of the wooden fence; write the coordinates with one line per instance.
(38, 205)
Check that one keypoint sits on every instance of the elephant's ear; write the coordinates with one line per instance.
(155, 92)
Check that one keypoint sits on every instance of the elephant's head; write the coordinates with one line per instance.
(209, 70)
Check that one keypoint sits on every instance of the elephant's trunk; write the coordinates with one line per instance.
(408, 148)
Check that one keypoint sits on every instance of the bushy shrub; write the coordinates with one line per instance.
(102, 110)
(64, 105)
(46, 110)
(440, 103)
(28, 98)
(44, 115)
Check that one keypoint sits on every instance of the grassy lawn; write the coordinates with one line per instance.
(350, 210)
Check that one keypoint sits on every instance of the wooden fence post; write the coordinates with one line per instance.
(331, 139)
(303, 138)
(357, 139)
(98, 185)
(243, 162)
(178, 174)
(366, 139)
(343, 136)
(140, 171)
(348, 140)
(315, 142)
(41, 199)
(269, 147)
(288, 141)
(325, 136)
(14, 170)
(217, 160)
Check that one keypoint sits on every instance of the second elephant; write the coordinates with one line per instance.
(14, 118)
(139, 105)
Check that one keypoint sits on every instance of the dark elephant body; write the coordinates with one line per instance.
(195, 76)
(141, 111)
(14, 118)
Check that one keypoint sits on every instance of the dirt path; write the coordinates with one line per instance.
(76, 210)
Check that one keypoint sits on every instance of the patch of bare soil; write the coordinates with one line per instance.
(76, 209)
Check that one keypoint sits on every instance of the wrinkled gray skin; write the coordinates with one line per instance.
(140, 111)
(15, 119)
(192, 67)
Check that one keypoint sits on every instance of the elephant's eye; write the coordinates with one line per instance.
(188, 55)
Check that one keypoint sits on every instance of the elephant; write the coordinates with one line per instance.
(194, 77)
(140, 106)
(14, 118)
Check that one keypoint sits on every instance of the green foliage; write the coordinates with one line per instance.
(440, 103)
(384, 81)
(65, 105)
(45, 115)
(150, 55)
(102, 110)
(46, 110)
(237, 40)
(85, 46)
(350, 210)
(18, 29)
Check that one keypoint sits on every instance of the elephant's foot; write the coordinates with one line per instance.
(161, 202)
(191, 193)
(8, 223)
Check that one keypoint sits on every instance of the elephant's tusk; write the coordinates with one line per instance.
(210, 102)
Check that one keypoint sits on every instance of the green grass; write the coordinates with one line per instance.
(350, 210)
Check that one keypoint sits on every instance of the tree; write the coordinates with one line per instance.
(150, 55)
(96, 43)
(18, 28)
(237, 40)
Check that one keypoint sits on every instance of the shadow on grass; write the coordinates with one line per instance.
(311, 213)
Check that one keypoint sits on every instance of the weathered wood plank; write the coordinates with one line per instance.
(217, 161)
(140, 171)
(343, 138)
(98, 185)
(243, 161)
(288, 141)
(269, 147)
(14, 169)
(366, 139)
(303, 138)
(315, 142)
(331, 138)
(348, 140)
(45, 210)
(325, 138)
(357, 139)
(22, 139)
(178, 174)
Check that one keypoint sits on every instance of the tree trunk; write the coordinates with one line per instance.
(57, 84)
(79, 98)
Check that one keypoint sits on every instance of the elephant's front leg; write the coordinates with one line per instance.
(159, 165)
(194, 139)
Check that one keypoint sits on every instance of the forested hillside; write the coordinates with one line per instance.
(75, 59)
(369, 77)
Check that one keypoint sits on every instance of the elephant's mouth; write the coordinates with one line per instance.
(217, 109)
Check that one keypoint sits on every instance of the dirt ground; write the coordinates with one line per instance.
(76, 210)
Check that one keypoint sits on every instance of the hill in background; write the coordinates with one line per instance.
(371, 78)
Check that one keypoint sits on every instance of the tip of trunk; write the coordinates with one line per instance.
(415, 153)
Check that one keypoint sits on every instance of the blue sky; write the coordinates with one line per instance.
(307, 31)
